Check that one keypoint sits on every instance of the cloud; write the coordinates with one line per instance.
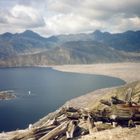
(50, 17)
(19, 18)
(85, 15)
(3, 19)
(24, 16)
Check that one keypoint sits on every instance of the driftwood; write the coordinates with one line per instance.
(67, 124)
(73, 116)
(23, 135)
(91, 126)
(55, 132)
(71, 109)
(62, 118)
(71, 128)
(38, 133)
(105, 102)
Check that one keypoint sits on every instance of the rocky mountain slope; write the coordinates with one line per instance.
(29, 48)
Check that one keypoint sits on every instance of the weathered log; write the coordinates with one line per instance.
(23, 135)
(38, 133)
(105, 102)
(55, 132)
(116, 101)
(62, 118)
(73, 116)
(71, 128)
(71, 109)
(55, 122)
(91, 126)
(128, 95)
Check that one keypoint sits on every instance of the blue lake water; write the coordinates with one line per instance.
(49, 89)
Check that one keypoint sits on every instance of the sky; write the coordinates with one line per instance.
(53, 17)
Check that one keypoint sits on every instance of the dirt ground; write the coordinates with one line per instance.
(115, 134)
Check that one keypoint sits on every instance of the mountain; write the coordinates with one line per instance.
(128, 41)
(22, 43)
(29, 48)
(76, 52)
(30, 34)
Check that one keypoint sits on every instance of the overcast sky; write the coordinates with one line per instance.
(51, 17)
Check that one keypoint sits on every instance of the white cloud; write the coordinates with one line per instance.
(25, 17)
(71, 16)
(64, 24)
(19, 18)
(85, 15)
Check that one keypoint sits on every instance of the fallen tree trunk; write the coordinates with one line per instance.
(55, 132)
(38, 133)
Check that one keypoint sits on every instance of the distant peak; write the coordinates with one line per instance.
(29, 33)
(97, 32)
(129, 32)
(7, 34)
(100, 33)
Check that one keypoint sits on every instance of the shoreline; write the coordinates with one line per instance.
(129, 72)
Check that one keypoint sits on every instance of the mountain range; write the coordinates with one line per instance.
(31, 49)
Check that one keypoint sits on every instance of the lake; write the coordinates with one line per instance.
(42, 90)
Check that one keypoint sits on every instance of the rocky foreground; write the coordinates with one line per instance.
(58, 125)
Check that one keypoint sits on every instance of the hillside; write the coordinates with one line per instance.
(31, 49)
(27, 42)
(76, 52)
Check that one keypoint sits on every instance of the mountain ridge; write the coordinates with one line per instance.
(83, 48)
